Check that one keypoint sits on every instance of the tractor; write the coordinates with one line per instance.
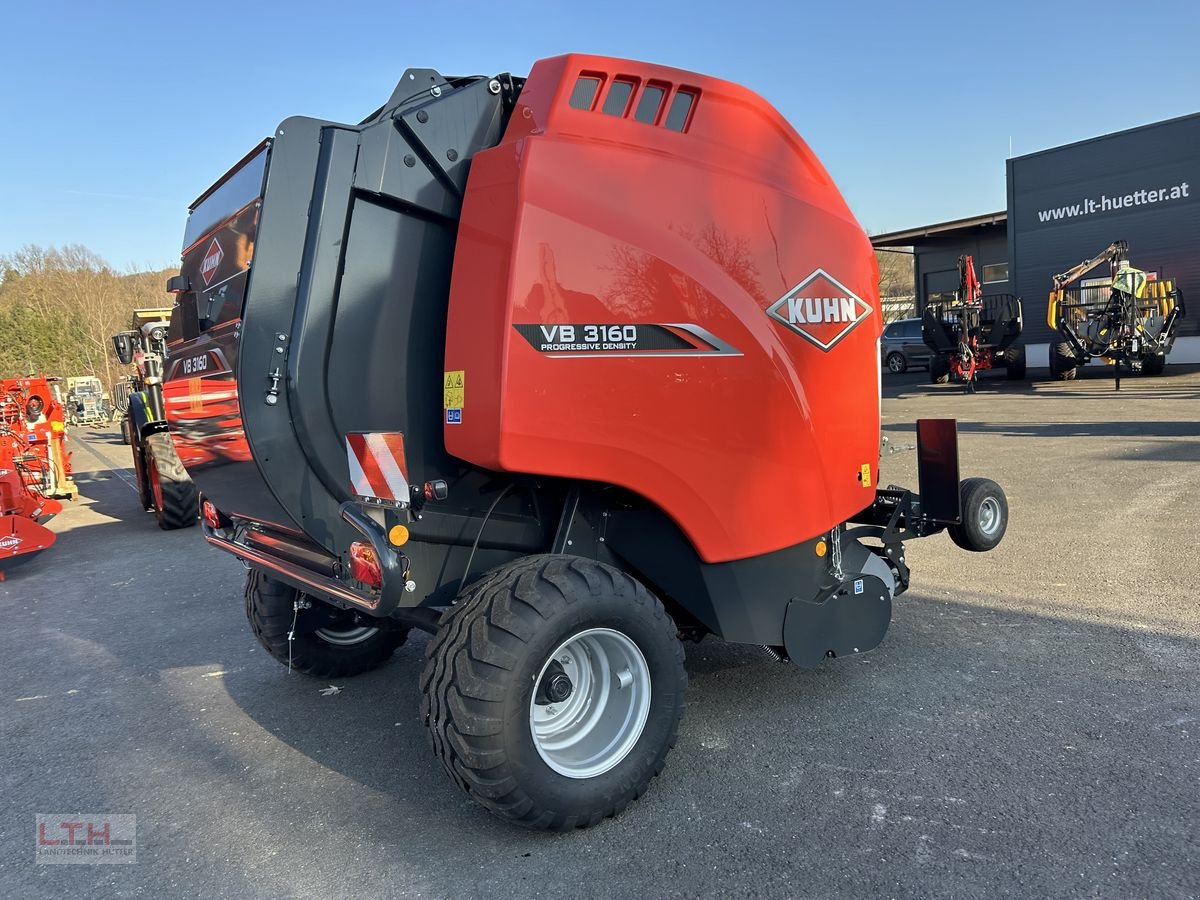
(87, 402)
(164, 486)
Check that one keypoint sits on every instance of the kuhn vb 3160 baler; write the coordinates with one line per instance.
(560, 369)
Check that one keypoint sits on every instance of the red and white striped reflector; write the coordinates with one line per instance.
(378, 470)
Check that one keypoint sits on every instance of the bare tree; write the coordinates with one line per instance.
(59, 307)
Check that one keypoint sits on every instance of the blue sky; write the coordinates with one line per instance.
(114, 115)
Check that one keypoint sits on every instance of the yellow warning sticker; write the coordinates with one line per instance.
(454, 390)
(865, 475)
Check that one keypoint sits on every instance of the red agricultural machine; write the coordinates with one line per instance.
(560, 369)
(35, 468)
(973, 332)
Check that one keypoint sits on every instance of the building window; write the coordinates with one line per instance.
(942, 296)
(995, 272)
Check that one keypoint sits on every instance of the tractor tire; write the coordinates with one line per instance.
(176, 503)
(126, 431)
(984, 515)
(896, 363)
(327, 642)
(1153, 365)
(516, 665)
(1063, 365)
(939, 370)
(1014, 358)
(141, 472)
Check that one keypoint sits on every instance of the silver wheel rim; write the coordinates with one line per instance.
(599, 723)
(895, 362)
(989, 516)
(344, 637)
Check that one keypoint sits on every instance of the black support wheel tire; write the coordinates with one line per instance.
(176, 503)
(896, 363)
(126, 429)
(553, 691)
(1153, 365)
(984, 515)
(1063, 364)
(939, 370)
(1014, 360)
(327, 642)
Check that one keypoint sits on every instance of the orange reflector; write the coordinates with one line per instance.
(364, 565)
(212, 518)
(398, 535)
(822, 548)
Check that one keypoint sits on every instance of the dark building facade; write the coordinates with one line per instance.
(1067, 204)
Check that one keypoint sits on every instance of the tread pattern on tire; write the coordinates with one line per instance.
(1063, 365)
(462, 688)
(180, 502)
(270, 612)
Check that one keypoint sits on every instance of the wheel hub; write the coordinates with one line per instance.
(989, 516)
(559, 687)
(590, 703)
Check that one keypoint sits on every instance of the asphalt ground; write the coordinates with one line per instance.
(1028, 728)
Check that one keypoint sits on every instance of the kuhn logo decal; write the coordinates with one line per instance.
(7, 543)
(212, 261)
(820, 309)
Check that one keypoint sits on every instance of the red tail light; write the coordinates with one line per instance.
(364, 565)
(211, 517)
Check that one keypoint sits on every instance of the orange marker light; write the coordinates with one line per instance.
(398, 535)
(822, 548)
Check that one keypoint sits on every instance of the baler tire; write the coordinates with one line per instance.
(984, 515)
(270, 609)
(939, 370)
(1063, 365)
(485, 666)
(176, 503)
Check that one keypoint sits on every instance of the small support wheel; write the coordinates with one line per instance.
(984, 515)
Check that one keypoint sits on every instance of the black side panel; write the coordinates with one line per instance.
(385, 359)
(743, 601)
(344, 322)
